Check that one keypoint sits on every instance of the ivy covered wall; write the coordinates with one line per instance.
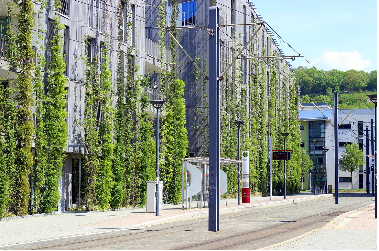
(81, 91)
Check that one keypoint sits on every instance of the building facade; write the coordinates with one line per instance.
(260, 83)
(318, 139)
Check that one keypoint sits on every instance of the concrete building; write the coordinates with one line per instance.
(84, 32)
(317, 135)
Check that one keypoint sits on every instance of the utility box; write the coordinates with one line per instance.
(150, 196)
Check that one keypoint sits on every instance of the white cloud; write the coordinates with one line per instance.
(342, 61)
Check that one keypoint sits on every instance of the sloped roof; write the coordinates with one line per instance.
(321, 114)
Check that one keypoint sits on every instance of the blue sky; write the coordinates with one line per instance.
(331, 34)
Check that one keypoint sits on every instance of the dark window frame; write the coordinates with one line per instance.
(344, 126)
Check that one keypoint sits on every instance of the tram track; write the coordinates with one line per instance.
(259, 226)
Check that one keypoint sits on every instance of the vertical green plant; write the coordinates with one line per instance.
(40, 157)
(54, 124)
(91, 128)
(118, 164)
(176, 139)
(21, 56)
(146, 145)
(104, 181)
(7, 147)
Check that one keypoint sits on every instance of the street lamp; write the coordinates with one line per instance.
(314, 165)
(285, 134)
(157, 104)
(373, 97)
(239, 123)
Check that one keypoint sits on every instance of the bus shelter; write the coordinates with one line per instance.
(195, 179)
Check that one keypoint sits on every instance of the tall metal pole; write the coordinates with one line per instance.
(157, 168)
(214, 121)
(314, 167)
(367, 162)
(375, 163)
(157, 104)
(239, 157)
(270, 167)
(336, 146)
(285, 172)
(373, 153)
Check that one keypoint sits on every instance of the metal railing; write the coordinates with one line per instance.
(152, 49)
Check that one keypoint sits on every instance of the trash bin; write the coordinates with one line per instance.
(150, 196)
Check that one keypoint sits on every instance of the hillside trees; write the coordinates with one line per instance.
(316, 82)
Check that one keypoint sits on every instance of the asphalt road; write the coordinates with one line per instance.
(251, 228)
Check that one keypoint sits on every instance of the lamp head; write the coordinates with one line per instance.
(239, 123)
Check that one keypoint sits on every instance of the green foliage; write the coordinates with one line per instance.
(121, 126)
(40, 157)
(173, 129)
(104, 182)
(98, 126)
(20, 55)
(54, 129)
(7, 146)
(351, 159)
(320, 86)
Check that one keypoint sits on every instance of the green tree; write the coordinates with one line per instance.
(373, 82)
(351, 159)
(355, 80)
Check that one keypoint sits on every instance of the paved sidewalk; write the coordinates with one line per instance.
(38, 228)
(354, 230)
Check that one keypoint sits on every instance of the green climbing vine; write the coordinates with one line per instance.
(40, 157)
(121, 125)
(54, 124)
(104, 181)
(98, 122)
(20, 55)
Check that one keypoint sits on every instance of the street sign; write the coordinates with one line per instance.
(281, 155)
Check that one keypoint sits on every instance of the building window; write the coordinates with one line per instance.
(344, 179)
(3, 34)
(95, 14)
(65, 7)
(129, 23)
(316, 130)
(50, 35)
(66, 46)
(91, 45)
(187, 13)
(360, 128)
(301, 127)
(360, 144)
(302, 144)
(344, 126)
(133, 25)
(343, 143)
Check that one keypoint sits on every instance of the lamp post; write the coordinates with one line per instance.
(373, 99)
(285, 134)
(239, 123)
(157, 104)
(314, 165)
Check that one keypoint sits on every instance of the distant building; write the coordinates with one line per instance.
(317, 135)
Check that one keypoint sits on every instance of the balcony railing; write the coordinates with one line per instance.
(152, 49)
